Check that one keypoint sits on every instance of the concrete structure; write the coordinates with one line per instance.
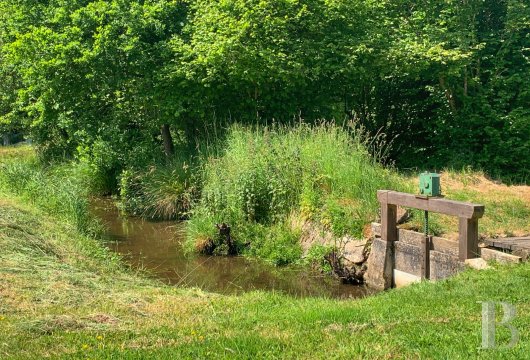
(399, 257)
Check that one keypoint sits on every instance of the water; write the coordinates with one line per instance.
(156, 247)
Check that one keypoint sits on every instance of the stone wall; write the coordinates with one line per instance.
(401, 264)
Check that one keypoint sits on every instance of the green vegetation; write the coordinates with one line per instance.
(63, 296)
(124, 84)
(161, 192)
(266, 180)
(57, 190)
(215, 111)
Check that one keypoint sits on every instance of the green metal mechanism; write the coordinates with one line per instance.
(430, 184)
(429, 187)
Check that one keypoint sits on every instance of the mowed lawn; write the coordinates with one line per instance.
(63, 296)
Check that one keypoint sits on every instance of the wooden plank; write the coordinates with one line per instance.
(425, 265)
(521, 247)
(509, 243)
(522, 238)
(438, 205)
(468, 241)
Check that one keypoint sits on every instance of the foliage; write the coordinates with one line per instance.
(165, 192)
(320, 173)
(446, 80)
(316, 258)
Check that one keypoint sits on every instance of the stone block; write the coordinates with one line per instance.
(444, 245)
(477, 264)
(402, 279)
(376, 229)
(408, 258)
(444, 265)
(380, 265)
(354, 251)
(499, 256)
(410, 237)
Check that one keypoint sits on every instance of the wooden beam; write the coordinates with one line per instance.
(437, 205)
(468, 242)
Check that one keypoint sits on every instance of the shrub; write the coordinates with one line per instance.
(161, 192)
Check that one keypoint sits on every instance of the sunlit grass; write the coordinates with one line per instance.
(507, 207)
(63, 296)
(323, 174)
(16, 152)
(58, 189)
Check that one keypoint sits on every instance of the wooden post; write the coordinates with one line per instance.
(381, 263)
(468, 241)
(389, 235)
(389, 222)
(380, 273)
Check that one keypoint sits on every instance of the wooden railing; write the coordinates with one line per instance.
(467, 213)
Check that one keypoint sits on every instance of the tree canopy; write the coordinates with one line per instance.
(445, 80)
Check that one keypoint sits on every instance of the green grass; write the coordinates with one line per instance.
(267, 176)
(507, 208)
(60, 189)
(64, 296)
(160, 192)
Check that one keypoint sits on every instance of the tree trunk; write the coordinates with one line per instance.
(167, 139)
(448, 94)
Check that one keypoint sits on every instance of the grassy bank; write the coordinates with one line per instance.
(61, 190)
(63, 296)
(264, 181)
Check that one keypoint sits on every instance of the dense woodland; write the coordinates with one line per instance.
(126, 83)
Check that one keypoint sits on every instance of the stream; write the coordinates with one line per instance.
(156, 248)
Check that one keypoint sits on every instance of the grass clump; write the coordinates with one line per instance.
(160, 192)
(265, 175)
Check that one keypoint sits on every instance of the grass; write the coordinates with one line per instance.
(267, 176)
(58, 189)
(15, 152)
(507, 208)
(160, 192)
(64, 296)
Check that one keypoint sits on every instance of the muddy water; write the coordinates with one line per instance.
(156, 247)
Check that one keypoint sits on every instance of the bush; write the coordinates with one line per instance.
(322, 173)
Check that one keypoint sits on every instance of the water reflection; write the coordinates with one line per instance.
(156, 246)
